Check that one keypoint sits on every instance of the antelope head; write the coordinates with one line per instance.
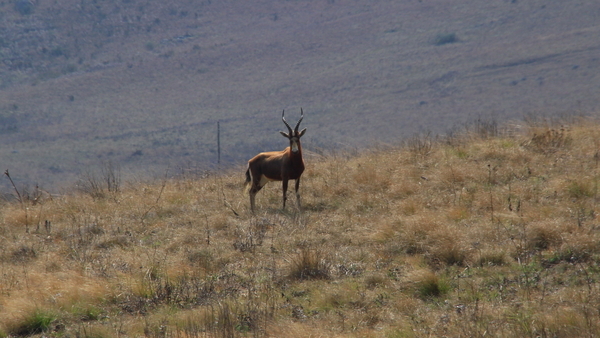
(293, 135)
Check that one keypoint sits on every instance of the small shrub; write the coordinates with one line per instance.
(202, 259)
(374, 281)
(580, 248)
(101, 185)
(117, 241)
(168, 54)
(24, 254)
(70, 68)
(248, 238)
(57, 51)
(440, 244)
(446, 252)
(579, 189)
(442, 39)
(484, 129)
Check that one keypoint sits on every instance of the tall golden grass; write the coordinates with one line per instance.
(480, 234)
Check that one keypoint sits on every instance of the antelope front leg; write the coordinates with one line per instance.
(298, 192)
(285, 186)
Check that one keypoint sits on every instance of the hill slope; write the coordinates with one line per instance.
(472, 236)
(143, 84)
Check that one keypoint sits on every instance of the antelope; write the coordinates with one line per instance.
(282, 165)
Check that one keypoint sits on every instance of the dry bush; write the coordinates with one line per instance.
(420, 145)
(542, 237)
(309, 264)
(101, 183)
(21, 255)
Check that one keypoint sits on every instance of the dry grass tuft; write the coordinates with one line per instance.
(309, 264)
(428, 285)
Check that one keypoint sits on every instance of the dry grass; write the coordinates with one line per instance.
(484, 235)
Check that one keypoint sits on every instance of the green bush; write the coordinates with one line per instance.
(37, 322)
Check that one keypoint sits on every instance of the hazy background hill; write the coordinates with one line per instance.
(142, 83)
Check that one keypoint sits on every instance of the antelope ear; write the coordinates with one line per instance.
(285, 134)
(302, 132)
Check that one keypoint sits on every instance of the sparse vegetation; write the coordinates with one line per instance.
(418, 240)
(101, 184)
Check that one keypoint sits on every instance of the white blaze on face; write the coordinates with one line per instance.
(294, 146)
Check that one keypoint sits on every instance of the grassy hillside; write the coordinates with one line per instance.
(143, 83)
(491, 232)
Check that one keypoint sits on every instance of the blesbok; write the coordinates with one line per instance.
(282, 165)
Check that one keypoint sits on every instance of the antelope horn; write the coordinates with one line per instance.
(286, 124)
(298, 123)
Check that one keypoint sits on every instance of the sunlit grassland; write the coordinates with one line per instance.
(490, 232)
